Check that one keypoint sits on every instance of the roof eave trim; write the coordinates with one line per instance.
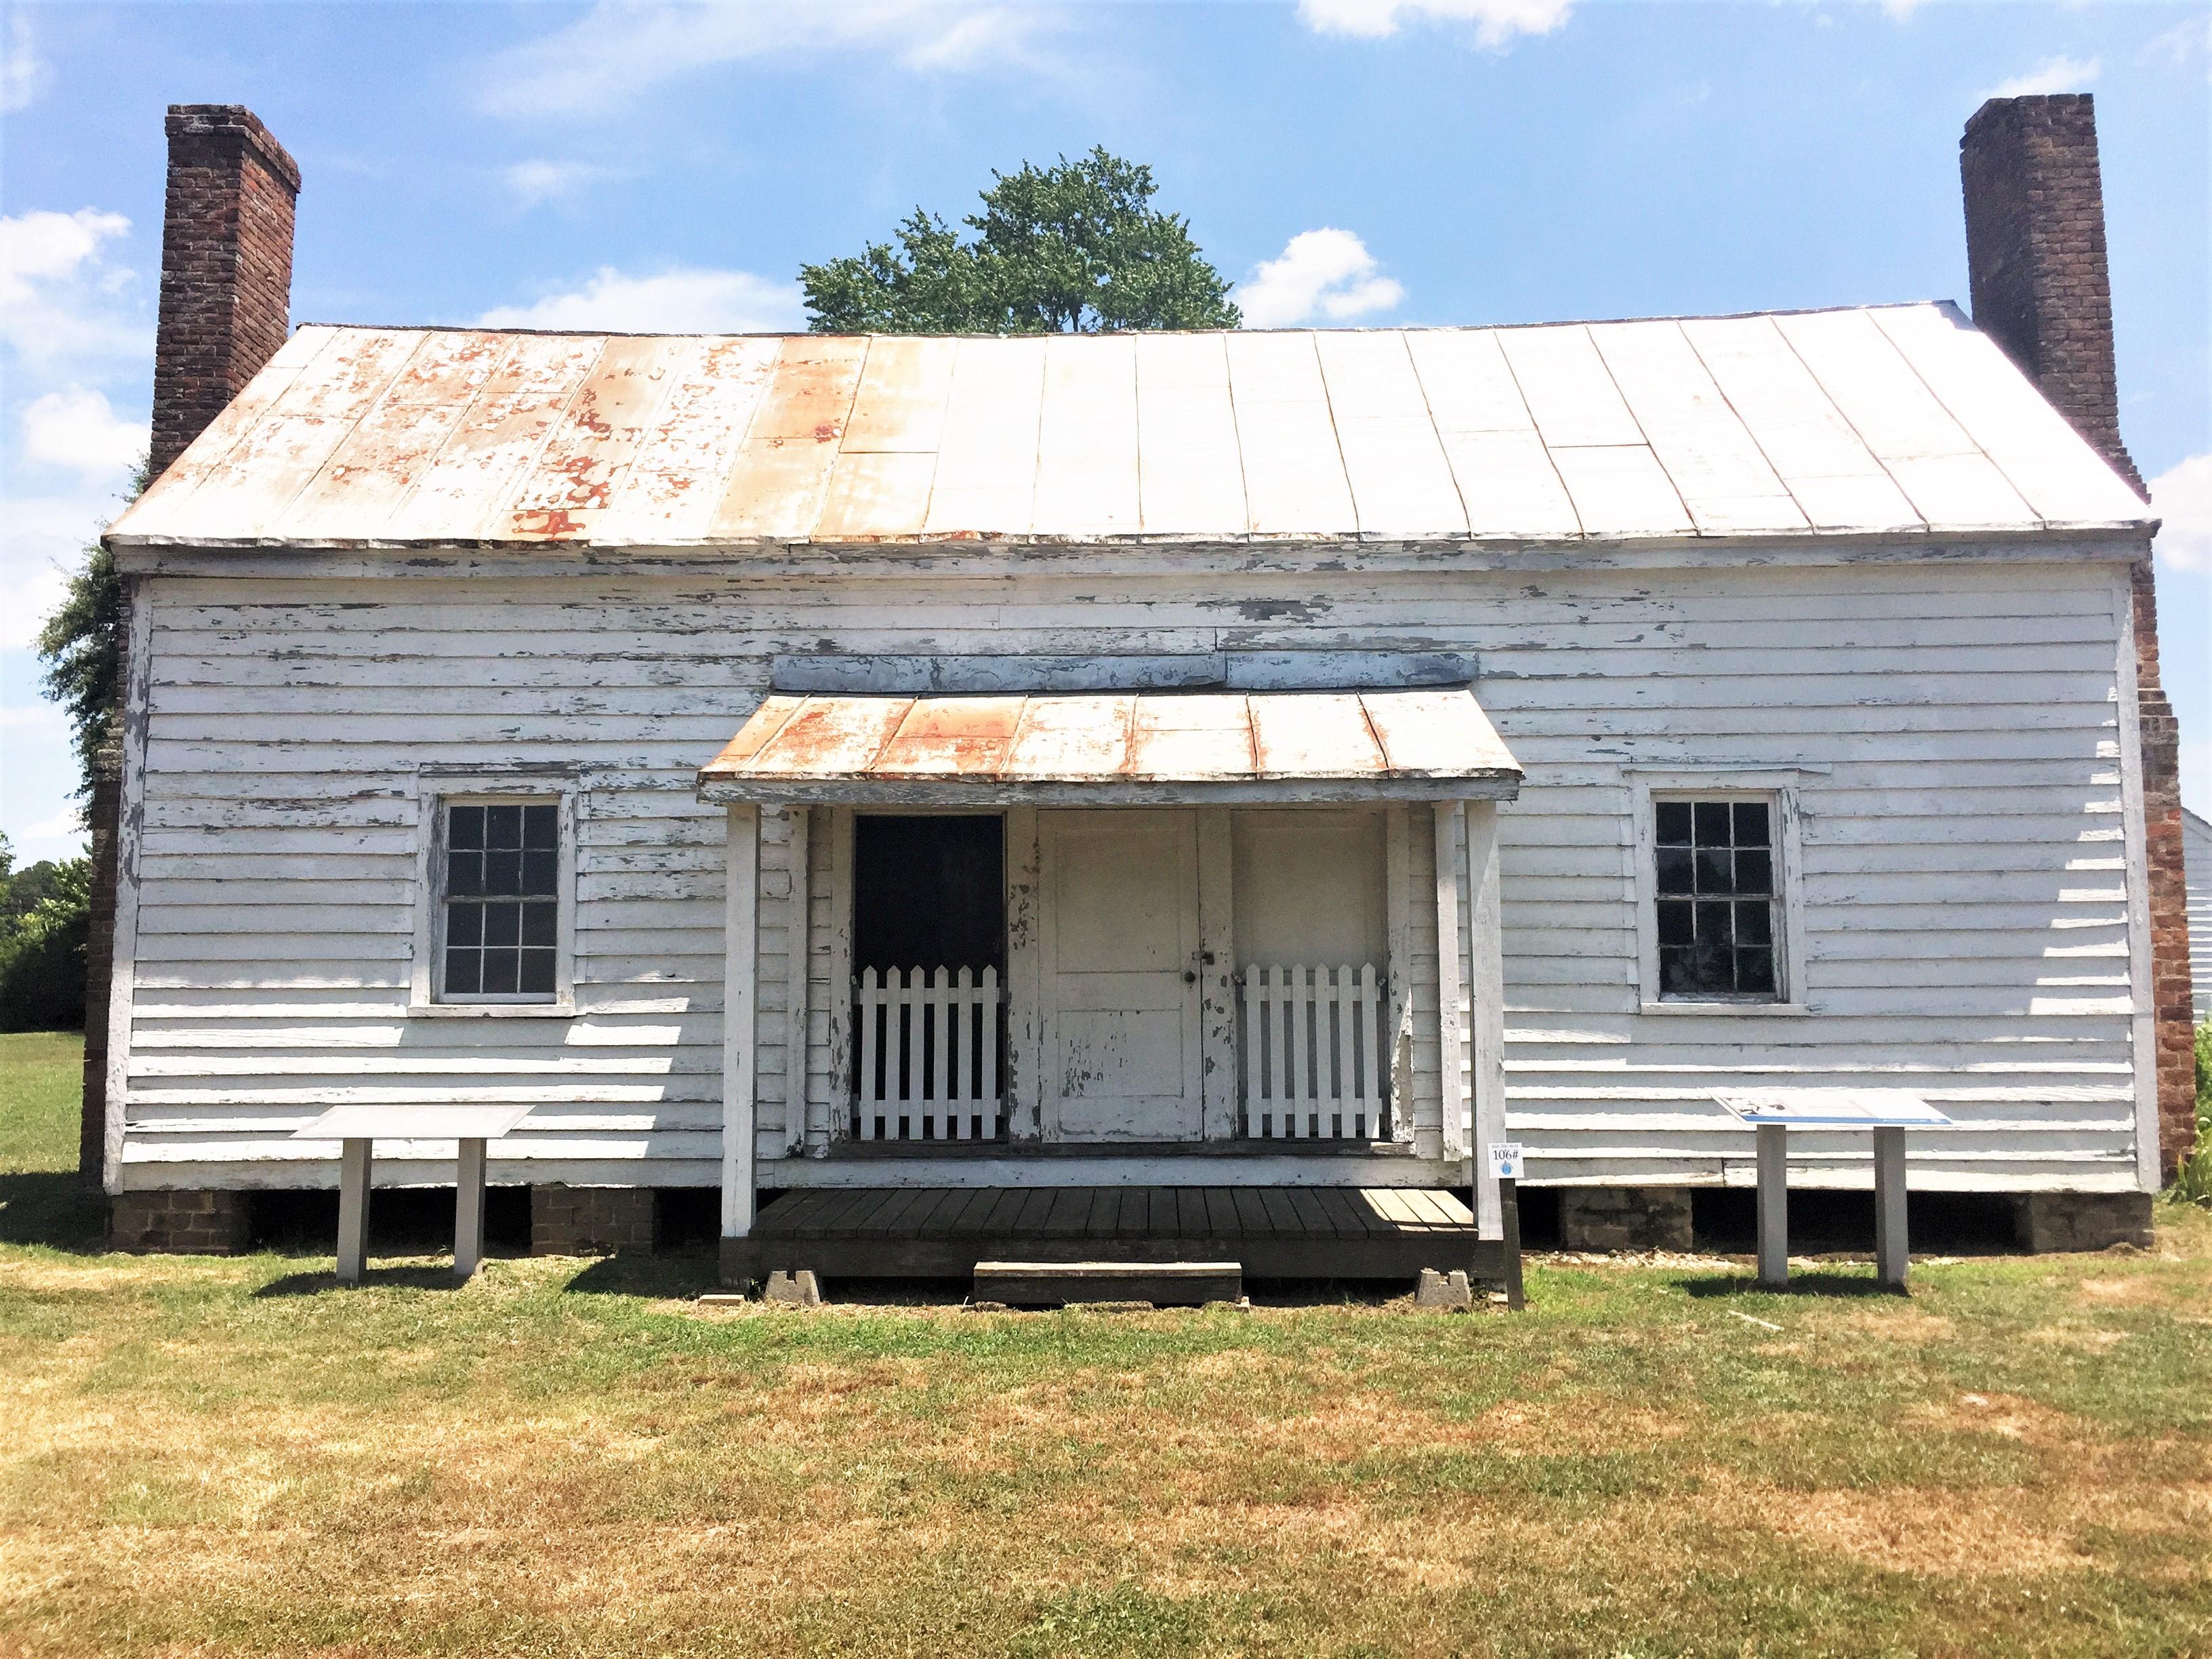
(727, 790)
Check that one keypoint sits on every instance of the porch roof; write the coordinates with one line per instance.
(1116, 748)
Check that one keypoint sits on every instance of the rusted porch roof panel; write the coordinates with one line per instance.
(1097, 748)
(1883, 421)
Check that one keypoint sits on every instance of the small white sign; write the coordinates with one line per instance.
(1505, 1160)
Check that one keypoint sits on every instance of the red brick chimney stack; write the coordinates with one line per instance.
(2035, 255)
(225, 308)
(2035, 258)
(226, 267)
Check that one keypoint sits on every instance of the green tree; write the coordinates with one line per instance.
(1075, 247)
(82, 646)
(42, 956)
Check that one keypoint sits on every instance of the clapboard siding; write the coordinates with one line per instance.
(1952, 725)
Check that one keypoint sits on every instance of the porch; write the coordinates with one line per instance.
(1175, 974)
(1275, 1232)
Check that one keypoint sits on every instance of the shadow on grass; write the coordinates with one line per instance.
(647, 1275)
(52, 1208)
(1845, 1285)
(316, 1284)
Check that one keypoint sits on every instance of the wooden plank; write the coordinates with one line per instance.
(790, 1214)
(1105, 1216)
(1003, 1217)
(1310, 1216)
(1450, 978)
(1221, 1214)
(1217, 945)
(1036, 1209)
(1346, 1217)
(1253, 1219)
(1190, 1212)
(1070, 1213)
(1133, 1213)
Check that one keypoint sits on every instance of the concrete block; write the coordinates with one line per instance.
(2047, 1222)
(794, 1289)
(1444, 1293)
(1625, 1217)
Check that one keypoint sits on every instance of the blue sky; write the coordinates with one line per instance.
(1370, 161)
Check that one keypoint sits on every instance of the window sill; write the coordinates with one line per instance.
(1756, 1010)
(491, 1010)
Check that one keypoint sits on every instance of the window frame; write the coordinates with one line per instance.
(1779, 788)
(427, 993)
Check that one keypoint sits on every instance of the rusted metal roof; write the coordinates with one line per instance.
(1892, 419)
(1101, 747)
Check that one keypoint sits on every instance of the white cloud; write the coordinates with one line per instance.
(75, 428)
(2182, 496)
(60, 298)
(615, 50)
(1901, 9)
(2052, 74)
(1327, 273)
(1496, 22)
(537, 181)
(681, 301)
(25, 74)
(60, 836)
(2182, 43)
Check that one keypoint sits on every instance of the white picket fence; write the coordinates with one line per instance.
(930, 1066)
(1317, 1061)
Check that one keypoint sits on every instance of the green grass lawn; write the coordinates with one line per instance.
(564, 1457)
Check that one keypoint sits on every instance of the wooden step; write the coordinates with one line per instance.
(1056, 1284)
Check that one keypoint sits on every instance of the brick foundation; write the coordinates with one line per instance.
(2047, 1222)
(1625, 1217)
(178, 1222)
(590, 1220)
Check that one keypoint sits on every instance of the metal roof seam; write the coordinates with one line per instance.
(1972, 437)
(1750, 436)
(1582, 529)
(1389, 763)
(1636, 421)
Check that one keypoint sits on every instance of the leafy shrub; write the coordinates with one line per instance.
(42, 952)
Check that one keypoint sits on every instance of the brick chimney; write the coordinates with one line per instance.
(2035, 255)
(2035, 259)
(225, 308)
(226, 267)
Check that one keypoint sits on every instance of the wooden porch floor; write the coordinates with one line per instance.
(1276, 1233)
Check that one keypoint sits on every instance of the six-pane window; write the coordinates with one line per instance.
(502, 899)
(1716, 899)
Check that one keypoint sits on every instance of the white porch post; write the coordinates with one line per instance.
(1451, 978)
(1487, 995)
(741, 934)
(799, 941)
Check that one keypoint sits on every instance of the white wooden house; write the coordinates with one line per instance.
(1262, 769)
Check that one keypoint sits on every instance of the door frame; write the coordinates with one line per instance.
(1190, 927)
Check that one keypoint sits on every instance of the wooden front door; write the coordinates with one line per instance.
(1121, 989)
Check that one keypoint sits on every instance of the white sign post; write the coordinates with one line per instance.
(1505, 1160)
